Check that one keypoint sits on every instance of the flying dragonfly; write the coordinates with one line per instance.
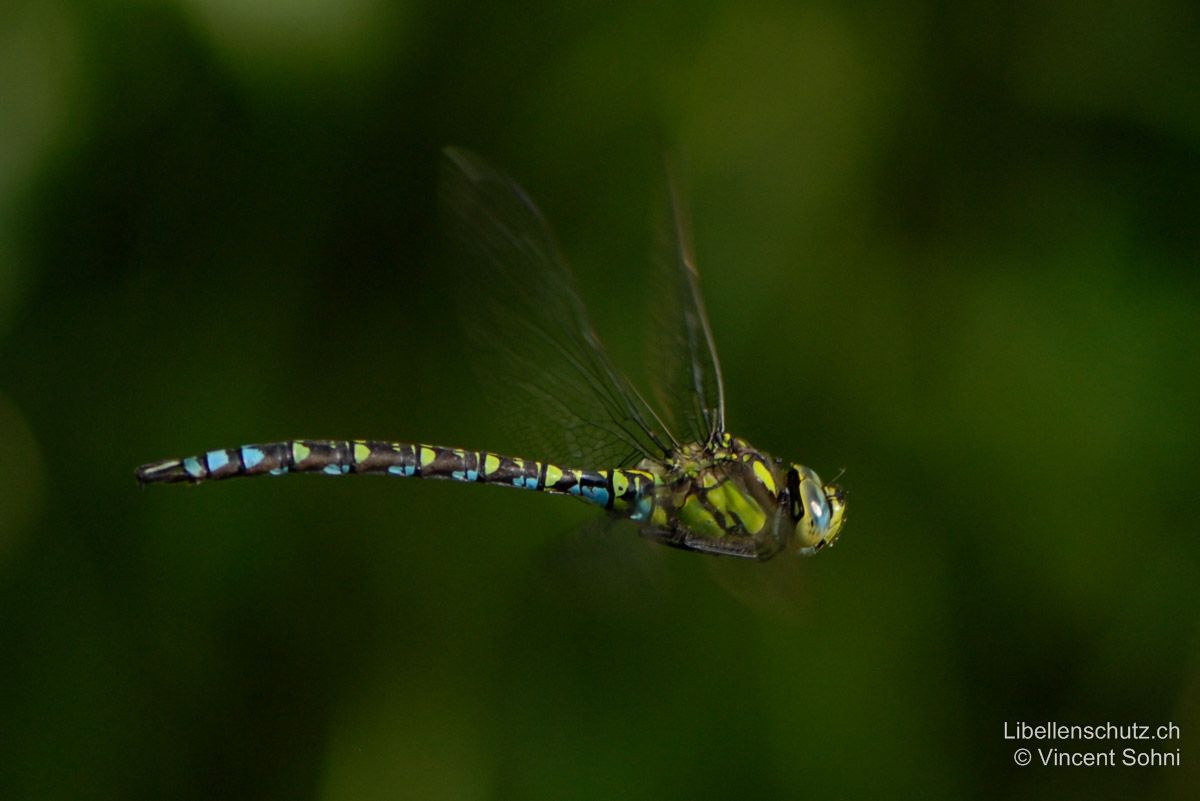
(671, 466)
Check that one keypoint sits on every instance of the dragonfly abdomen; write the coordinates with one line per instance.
(620, 489)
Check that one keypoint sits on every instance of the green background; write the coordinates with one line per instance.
(950, 247)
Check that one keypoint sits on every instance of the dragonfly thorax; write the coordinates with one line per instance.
(718, 497)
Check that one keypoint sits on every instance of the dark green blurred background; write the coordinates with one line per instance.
(949, 247)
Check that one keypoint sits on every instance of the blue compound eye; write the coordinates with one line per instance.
(806, 498)
(815, 509)
(815, 505)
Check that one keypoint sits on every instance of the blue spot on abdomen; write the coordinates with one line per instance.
(216, 460)
(597, 495)
(645, 505)
(251, 457)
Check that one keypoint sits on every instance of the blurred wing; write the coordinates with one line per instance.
(683, 355)
(547, 372)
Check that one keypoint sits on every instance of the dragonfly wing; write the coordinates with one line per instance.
(683, 354)
(547, 369)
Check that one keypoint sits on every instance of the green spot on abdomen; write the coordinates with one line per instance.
(427, 456)
(300, 451)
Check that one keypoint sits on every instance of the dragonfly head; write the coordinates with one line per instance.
(816, 509)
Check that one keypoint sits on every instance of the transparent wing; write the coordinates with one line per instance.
(683, 355)
(550, 378)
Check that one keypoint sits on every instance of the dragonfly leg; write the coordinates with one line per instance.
(742, 546)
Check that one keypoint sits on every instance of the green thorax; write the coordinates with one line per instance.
(728, 489)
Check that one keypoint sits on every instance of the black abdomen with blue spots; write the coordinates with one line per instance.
(624, 490)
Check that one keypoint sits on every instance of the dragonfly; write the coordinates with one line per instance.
(670, 466)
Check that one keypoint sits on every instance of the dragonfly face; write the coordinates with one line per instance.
(816, 509)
